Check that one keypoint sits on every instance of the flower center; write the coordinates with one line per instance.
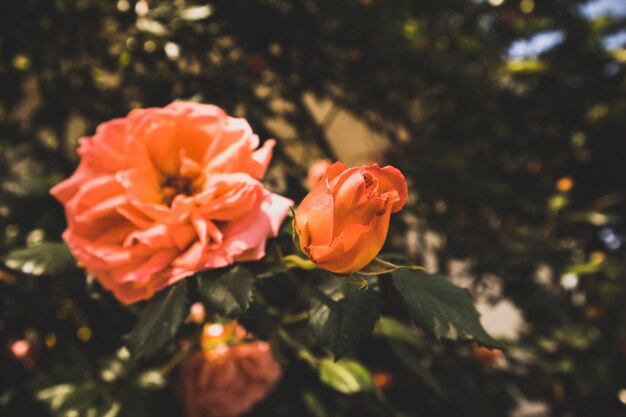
(175, 185)
(367, 177)
(371, 184)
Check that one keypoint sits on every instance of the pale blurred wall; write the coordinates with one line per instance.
(353, 142)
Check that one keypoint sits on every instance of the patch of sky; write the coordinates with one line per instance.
(615, 40)
(535, 45)
(598, 8)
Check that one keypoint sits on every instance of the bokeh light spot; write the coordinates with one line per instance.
(214, 330)
(527, 6)
(84, 334)
(565, 184)
(20, 349)
(50, 340)
(569, 281)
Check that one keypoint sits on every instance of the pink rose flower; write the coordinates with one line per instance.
(316, 172)
(165, 192)
(226, 380)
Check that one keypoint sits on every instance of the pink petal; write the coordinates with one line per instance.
(65, 190)
(260, 160)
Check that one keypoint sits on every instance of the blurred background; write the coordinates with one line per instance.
(508, 118)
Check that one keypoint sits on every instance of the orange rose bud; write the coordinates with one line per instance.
(485, 356)
(343, 222)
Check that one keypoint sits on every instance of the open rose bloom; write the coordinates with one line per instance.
(166, 192)
(343, 222)
(229, 376)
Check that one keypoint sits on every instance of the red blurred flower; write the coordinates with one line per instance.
(229, 376)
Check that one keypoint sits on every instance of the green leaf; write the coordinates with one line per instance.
(136, 403)
(378, 267)
(152, 379)
(342, 315)
(28, 186)
(295, 238)
(231, 293)
(393, 329)
(48, 258)
(67, 398)
(412, 362)
(526, 66)
(159, 321)
(314, 404)
(346, 376)
(55, 396)
(443, 309)
(111, 409)
(295, 261)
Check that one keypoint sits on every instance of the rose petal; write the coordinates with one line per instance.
(260, 160)
(65, 190)
(315, 212)
(351, 201)
(391, 179)
(230, 196)
(355, 247)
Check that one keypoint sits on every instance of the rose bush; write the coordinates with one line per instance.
(166, 192)
(228, 376)
(343, 222)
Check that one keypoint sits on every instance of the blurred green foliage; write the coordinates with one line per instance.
(519, 164)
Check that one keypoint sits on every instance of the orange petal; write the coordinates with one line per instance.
(106, 148)
(355, 247)
(260, 159)
(229, 196)
(333, 171)
(65, 190)
(314, 217)
(157, 131)
(234, 142)
(142, 186)
(390, 179)
(352, 203)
